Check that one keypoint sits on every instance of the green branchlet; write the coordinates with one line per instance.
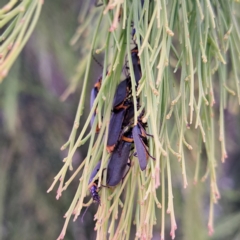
(184, 49)
(19, 20)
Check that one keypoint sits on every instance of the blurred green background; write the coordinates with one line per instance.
(35, 123)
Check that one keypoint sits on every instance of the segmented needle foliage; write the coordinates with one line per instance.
(17, 20)
(189, 54)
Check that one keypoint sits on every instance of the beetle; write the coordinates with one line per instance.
(115, 127)
(122, 92)
(140, 140)
(94, 93)
(136, 64)
(95, 90)
(140, 145)
(116, 169)
(94, 185)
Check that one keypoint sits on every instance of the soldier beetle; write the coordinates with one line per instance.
(140, 145)
(93, 96)
(140, 140)
(122, 92)
(115, 128)
(136, 64)
(116, 169)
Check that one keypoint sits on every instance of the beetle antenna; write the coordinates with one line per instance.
(95, 59)
(97, 4)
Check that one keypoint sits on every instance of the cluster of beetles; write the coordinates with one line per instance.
(123, 134)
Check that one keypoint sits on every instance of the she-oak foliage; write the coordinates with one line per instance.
(189, 56)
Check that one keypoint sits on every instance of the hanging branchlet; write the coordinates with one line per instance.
(164, 69)
(18, 19)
